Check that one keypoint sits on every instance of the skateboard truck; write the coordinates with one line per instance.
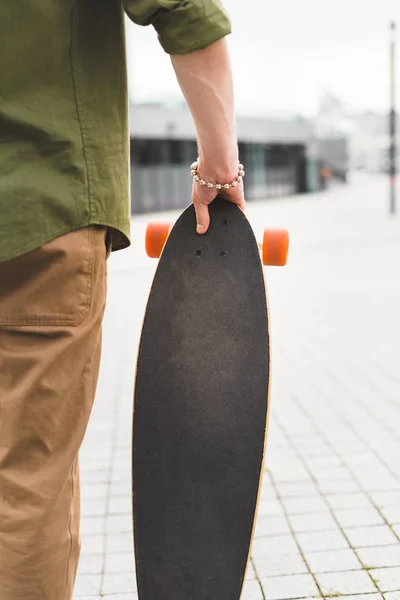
(274, 247)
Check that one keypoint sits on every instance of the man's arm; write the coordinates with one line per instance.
(205, 78)
(193, 32)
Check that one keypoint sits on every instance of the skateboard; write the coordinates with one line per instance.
(201, 405)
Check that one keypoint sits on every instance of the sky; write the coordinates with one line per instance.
(286, 54)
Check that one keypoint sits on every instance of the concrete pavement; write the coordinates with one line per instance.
(329, 518)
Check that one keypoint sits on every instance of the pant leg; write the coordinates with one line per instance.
(51, 309)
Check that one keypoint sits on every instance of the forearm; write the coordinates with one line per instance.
(205, 78)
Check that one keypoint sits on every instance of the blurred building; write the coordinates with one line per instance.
(367, 134)
(369, 143)
(281, 156)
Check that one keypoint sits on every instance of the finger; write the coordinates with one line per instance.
(241, 204)
(202, 217)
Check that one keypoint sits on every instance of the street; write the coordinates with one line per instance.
(329, 514)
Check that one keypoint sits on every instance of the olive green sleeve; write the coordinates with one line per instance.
(183, 26)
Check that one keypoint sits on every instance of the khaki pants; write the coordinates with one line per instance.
(51, 309)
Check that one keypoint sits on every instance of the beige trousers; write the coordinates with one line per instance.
(51, 309)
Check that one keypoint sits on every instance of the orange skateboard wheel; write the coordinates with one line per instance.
(275, 247)
(156, 236)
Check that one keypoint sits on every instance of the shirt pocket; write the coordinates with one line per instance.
(51, 285)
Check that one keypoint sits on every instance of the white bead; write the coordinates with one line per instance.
(194, 166)
(234, 183)
(202, 182)
(241, 167)
(196, 178)
(240, 179)
(193, 173)
(227, 186)
(242, 173)
(218, 186)
(210, 185)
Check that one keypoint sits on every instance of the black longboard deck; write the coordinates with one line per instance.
(200, 411)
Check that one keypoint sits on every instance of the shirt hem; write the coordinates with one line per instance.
(124, 239)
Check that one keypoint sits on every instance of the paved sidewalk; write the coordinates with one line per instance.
(329, 518)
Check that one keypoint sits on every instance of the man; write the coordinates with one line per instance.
(64, 205)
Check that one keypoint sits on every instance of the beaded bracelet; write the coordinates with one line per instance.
(218, 186)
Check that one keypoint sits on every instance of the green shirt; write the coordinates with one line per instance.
(64, 140)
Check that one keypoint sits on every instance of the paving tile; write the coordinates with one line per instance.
(129, 596)
(338, 487)
(350, 501)
(376, 483)
(118, 524)
(292, 586)
(312, 449)
(388, 580)
(93, 544)
(380, 556)
(121, 505)
(267, 491)
(290, 490)
(339, 474)
(321, 521)
(276, 453)
(252, 591)
(330, 460)
(396, 529)
(122, 542)
(392, 514)
(92, 526)
(119, 562)
(289, 471)
(295, 506)
(270, 508)
(358, 517)
(330, 561)
(349, 448)
(90, 465)
(375, 535)
(119, 583)
(383, 499)
(279, 544)
(347, 582)
(90, 564)
(279, 564)
(120, 476)
(392, 595)
(267, 526)
(326, 540)
(93, 491)
(123, 488)
(369, 596)
(94, 507)
(97, 477)
(250, 573)
(87, 585)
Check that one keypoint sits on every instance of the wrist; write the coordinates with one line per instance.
(217, 178)
(217, 170)
(217, 175)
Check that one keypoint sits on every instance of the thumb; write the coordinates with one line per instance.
(202, 217)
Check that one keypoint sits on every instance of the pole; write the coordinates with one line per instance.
(392, 124)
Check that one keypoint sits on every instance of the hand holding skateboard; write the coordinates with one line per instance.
(202, 195)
